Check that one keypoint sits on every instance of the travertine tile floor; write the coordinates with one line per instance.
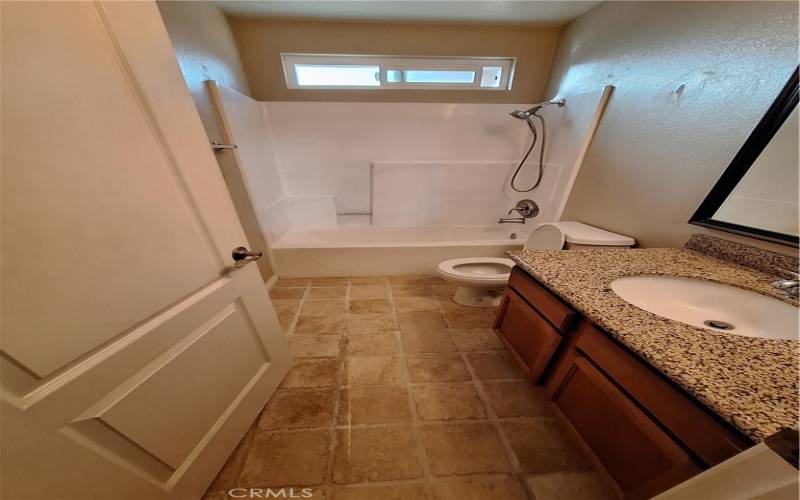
(399, 393)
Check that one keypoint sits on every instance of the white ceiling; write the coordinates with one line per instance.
(481, 11)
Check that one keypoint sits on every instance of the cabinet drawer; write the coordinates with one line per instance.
(638, 457)
(532, 340)
(698, 430)
(548, 305)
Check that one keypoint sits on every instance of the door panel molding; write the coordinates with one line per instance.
(152, 335)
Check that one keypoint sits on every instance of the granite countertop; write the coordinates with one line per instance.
(750, 382)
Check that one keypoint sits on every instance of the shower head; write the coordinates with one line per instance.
(524, 115)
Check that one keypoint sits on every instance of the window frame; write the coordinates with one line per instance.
(401, 63)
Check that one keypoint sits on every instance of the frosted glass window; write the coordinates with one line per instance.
(439, 76)
(491, 76)
(350, 71)
(337, 76)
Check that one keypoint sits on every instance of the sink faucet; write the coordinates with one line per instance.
(788, 286)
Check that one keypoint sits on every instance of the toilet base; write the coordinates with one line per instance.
(475, 296)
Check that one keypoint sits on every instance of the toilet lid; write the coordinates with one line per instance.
(546, 237)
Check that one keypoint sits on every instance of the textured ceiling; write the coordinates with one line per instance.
(497, 11)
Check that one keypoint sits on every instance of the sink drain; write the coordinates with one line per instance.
(721, 325)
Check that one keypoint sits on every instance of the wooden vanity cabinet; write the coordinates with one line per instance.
(532, 323)
(638, 457)
(642, 432)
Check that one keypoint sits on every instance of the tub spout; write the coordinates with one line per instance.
(511, 220)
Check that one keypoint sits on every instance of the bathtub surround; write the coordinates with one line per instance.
(741, 254)
(750, 382)
(244, 123)
(205, 49)
(261, 41)
(314, 167)
(448, 193)
(326, 148)
(672, 126)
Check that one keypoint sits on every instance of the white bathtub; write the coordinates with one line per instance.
(388, 250)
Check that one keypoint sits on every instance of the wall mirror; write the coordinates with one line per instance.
(757, 194)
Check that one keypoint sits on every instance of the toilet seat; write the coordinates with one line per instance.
(488, 271)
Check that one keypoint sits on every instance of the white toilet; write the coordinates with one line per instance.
(480, 279)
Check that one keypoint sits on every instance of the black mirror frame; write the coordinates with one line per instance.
(761, 136)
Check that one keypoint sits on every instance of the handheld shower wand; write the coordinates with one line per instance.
(526, 115)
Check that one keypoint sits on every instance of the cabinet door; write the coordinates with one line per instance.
(635, 453)
(529, 336)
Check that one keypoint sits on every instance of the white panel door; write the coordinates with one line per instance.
(134, 355)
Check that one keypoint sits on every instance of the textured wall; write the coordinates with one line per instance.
(205, 50)
(261, 42)
(692, 80)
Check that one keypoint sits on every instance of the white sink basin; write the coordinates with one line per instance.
(710, 305)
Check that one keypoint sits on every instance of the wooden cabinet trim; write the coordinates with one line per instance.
(549, 305)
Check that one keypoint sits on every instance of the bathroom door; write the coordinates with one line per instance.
(134, 356)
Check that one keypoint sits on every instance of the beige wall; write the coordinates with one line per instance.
(692, 80)
(205, 50)
(261, 42)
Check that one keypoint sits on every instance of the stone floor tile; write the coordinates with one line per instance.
(421, 321)
(427, 342)
(516, 399)
(328, 292)
(401, 491)
(470, 319)
(370, 306)
(287, 293)
(480, 487)
(542, 446)
(411, 291)
(369, 292)
(292, 282)
(296, 408)
(323, 307)
(371, 344)
(368, 280)
(286, 459)
(436, 368)
(447, 402)
(494, 366)
(369, 323)
(320, 325)
(375, 370)
(476, 339)
(312, 373)
(366, 405)
(318, 282)
(415, 304)
(568, 486)
(314, 345)
(368, 454)
(463, 449)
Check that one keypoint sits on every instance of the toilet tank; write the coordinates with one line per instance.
(583, 236)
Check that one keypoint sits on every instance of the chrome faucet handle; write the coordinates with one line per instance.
(526, 208)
